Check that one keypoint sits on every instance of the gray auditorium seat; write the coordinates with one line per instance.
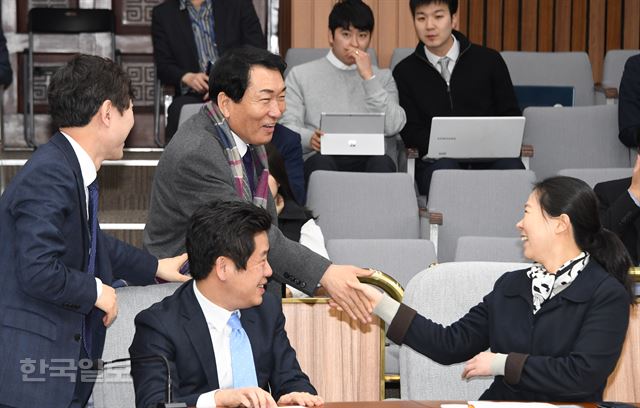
(444, 293)
(399, 54)
(553, 68)
(364, 205)
(117, 388)
(402, 259)
(614, 61)
(188, 111)
(574, 137)
(399, 258)
(489, 249)
(475, 202)
(595, 176)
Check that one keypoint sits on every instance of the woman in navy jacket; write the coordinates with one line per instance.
(554, 331)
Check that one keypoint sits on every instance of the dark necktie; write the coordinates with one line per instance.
(93, 225)
(247, 159)
(91, 267)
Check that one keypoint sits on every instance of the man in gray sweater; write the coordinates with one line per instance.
(343, 81)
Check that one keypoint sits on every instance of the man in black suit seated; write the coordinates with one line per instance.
(189, 35)
(620, 208)
(620, 199)
(222, 334)
(6, 74)
(629, 103)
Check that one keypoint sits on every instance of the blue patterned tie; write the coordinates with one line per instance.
(242, 366)
(91, 267)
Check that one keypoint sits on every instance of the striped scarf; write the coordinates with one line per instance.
(240, 178)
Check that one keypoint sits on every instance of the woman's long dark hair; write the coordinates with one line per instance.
(571, 196)
(279, 171)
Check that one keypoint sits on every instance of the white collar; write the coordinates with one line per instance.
(87, 168)
(215, 315)
(339, 64)
(240, 144)
(453, 53)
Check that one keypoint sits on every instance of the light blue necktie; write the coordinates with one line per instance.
(242, 366)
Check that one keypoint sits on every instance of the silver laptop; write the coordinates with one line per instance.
(352, 133)
(475, 137)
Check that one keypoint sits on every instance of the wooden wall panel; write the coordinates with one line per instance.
(614, 25)
(622, 384)
(475, 32)
(545, 25)
(494, 24)
(388, 36)
(562, 35)
(463, 15)
(579, 26)
(321, 9)
(302, 22)
(511, 26)
(529, 22)
(406, 34)
(592, 26)
(631, 24)
(597, 10)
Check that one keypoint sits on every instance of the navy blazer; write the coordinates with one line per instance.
(571, 345)
(629, 103)
(287, 142)
(45, 290)
(174, 47)
(176, 328)
(619, 213)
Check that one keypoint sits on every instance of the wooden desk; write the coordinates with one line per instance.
(425, 404)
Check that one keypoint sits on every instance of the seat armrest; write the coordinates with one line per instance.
(526, 150)
(610, 92)
(435, 219)
(412, 155)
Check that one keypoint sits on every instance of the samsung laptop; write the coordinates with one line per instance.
(476, 137)
(352, 134)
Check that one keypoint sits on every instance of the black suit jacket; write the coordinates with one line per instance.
(177, 329)
(6, 74)
(619, 213)
(174, 47)
(629, 103)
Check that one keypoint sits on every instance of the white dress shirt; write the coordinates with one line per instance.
(452, 54)
(220, 332)
(341, 65)
(89, 174)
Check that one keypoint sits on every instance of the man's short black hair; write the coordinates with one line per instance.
(230, 73)
(79, 87)
(452, 4)
(346, 13)
(223, 228)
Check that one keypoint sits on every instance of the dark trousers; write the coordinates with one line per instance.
(424, 169)
(173, 114)
(84, 386)
(366, 164)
